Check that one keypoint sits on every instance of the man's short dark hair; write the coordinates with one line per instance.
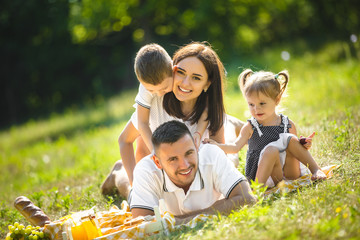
(169, 132)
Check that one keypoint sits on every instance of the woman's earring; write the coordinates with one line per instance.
(205, 89)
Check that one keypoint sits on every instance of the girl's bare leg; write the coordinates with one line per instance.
(270, 166)
(296, 150)
(291, 167)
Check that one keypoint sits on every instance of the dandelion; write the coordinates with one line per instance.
(46, 159)
(341, 233)
(285, 55)
(338, 209)
(353, 38)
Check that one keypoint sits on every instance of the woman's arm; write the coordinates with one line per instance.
(219, 136)
(200, 129)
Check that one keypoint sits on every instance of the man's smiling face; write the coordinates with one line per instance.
(179, 160)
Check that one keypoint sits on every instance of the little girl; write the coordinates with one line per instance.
(274, 150)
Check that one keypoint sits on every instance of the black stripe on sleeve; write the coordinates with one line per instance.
(234, 185)
(142, 207)
(143, 105)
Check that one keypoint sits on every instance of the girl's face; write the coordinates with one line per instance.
(262, 107)
(190, 79)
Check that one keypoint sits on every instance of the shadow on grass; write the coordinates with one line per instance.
(72, 130)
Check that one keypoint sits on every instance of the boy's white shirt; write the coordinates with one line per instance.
(144, 97)
(158, 115)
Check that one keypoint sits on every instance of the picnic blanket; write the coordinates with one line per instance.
(286, 186)
(118, 223)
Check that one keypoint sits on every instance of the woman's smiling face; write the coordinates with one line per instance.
(190, 79)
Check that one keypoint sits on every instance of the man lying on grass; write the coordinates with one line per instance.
(190, 181)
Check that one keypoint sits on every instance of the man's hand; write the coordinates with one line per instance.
(183, 219)
(307, 142)
(136, 212)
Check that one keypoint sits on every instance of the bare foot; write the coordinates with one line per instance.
(116, 182)
(318, 175)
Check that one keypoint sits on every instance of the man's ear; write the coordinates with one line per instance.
(156, 161)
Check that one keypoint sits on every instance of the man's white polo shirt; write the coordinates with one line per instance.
(216, 177)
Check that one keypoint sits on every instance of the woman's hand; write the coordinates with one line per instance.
(307, 141)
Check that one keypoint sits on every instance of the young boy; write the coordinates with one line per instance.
(154, 70)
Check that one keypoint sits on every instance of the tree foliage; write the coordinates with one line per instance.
(56, 53)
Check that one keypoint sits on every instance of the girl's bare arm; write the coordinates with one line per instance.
(239, 143)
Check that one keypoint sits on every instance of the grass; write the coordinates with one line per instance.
(60, 162)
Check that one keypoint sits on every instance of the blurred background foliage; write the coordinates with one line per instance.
(60, 54)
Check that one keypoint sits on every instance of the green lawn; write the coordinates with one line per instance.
(61, 161)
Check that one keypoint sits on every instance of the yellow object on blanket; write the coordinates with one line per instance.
(119, 224)
(286, 186)
(142, 226)
(112, 220)
(88, 225)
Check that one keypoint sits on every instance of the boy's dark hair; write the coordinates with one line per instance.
(152, 64)
(169, 132)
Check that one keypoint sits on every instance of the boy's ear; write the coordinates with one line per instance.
(156, 161)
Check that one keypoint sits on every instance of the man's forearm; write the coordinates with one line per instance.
(223, 206)
(241, 195)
